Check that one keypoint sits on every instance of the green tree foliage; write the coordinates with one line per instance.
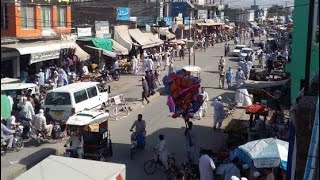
(276, 10)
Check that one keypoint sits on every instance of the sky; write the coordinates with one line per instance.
(262, 3)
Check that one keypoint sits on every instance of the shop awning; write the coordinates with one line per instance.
(119, 49)
(153, 38)
(228, 27)
(104, 52)
(122, 36)
(46, 50)
(7, 80)
(166, 32)
(250, 84)
(142, 39)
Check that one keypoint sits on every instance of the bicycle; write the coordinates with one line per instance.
(150, 166)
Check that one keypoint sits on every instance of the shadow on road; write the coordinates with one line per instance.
(36, 157)
(213, 72)
(234, 59)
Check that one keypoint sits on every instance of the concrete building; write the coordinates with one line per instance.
(304, 70)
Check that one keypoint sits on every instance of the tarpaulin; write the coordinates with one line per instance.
(5, 107)
(102, 43)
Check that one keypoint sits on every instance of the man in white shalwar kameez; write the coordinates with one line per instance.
(203, 108)
(206, 167)
(218, 113)
(134, 63)
(241, 95)
(162, 149)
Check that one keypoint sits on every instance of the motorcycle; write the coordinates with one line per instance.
(137, 142)
(112, 75)
(230, 108)
(17, 144)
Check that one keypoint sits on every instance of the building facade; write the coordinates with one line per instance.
(29, 20)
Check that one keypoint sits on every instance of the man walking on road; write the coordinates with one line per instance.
(203, 108)
(145, 92)
(218, 113)
(229, 76)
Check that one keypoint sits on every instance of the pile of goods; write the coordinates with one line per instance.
(183, 94)
(124, 64)
(257, 109)
(92, 75)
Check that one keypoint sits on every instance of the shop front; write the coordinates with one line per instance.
(32, 56)
(9, 63)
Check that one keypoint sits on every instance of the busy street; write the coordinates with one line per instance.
(160, 90)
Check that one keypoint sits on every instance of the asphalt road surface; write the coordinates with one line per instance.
(158, 119)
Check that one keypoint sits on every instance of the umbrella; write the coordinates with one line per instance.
(264, 153)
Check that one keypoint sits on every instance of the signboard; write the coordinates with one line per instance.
(84, 32)
(202, 14)
(143, 20)
(123, 14)
(38, 57)
(102, 29)
(168, 21)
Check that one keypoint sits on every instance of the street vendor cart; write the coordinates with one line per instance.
(93, 126)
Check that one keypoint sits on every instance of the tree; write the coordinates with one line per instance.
(276, 10)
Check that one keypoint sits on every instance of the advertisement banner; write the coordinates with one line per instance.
(84, 32)
(202, 14)
(123, 14)
(102, 29)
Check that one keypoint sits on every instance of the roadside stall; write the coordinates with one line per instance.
(57, 167)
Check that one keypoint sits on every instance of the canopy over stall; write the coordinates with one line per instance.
(47, 50)
(122, 36)
(154, 39)
(141, 38)
(208, 22)
(165, 32)
(118, 48)
(58, 167)
(250, 84)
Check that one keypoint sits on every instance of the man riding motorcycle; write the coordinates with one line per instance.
(40, 124)
(140, 128)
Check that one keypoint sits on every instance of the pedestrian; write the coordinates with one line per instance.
(27, 110)
(206, 166)
(166, 59)
(145, 91)
(218, 113)
(222, 74)
(171, 68)
(229, 77)
(152, 85)
(228, 49)
(159, 59)
(145, 63)
(205, 98)
(190, 142)
(157, 74)
(149, 63)
(134, 64)
(249, 65)
(181, 54)
(225, 49)
(41, 77)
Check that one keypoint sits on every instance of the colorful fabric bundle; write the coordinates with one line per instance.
(183, 94)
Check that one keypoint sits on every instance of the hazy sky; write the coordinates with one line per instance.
(262, 3)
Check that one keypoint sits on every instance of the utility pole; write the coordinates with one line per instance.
(190, 14)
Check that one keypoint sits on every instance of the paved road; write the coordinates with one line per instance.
(158, 120)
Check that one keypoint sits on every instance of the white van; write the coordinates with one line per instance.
(73, 98)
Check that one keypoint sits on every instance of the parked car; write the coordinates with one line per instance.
(245, 51)
(236, 51)
(74, 98)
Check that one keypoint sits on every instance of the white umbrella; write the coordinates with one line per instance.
(264, 153)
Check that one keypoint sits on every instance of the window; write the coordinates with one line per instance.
(27, 17)
(62, 16)
(92, 92)
(46, 17)
(57, 98)
(4, 16)
(80, 96)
